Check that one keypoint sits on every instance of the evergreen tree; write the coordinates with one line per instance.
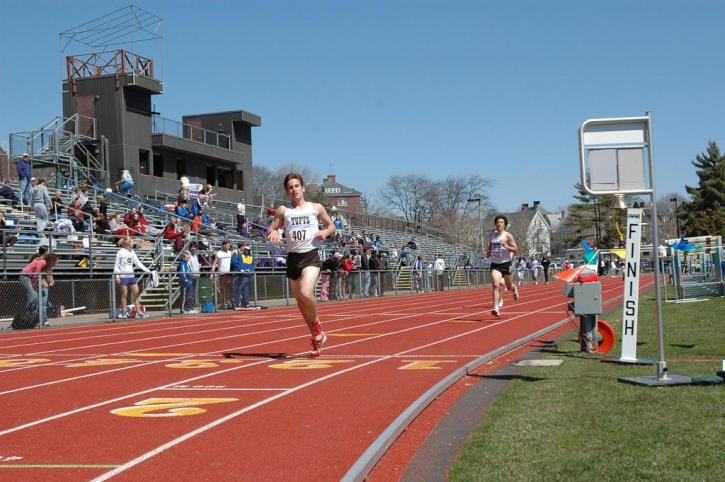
(594, 218)
(705, 212)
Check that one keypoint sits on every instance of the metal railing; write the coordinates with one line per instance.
(109, 62)
(162, 125)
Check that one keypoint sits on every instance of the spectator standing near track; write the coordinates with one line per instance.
(365, 272)
(439, 268)
(34, 284)
(545, 263)
(25, 173)
(501, 248)
(535, 270)
(418, 268)
(186, 284)
(195, 272)
(223, 263)
(520, 271)
(243, 263)
(303, 236)
(126, 262)
(40, 199)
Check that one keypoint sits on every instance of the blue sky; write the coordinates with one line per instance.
(377, 88)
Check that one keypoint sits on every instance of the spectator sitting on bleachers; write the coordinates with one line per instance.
(377, 244)
(203, 242)
(102, 224)
(57, 204)
(63, 226)
(182, 210)
(173, 230)
(218, 224)
(75, 214)
(196, 222)
(8, 231)
(412, 244)
(118, 227)
(206, 195)
(102, 205)
(136, 227)
(148, 229)
(128, 217)
(8, 193)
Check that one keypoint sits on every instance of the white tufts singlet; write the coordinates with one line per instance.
(300, 227)
(499, 253)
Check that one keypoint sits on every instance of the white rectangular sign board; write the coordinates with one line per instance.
(630, 307)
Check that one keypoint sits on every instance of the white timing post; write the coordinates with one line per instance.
(630, 306)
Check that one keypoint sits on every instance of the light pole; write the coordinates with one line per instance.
(677, 219)
(477, 199)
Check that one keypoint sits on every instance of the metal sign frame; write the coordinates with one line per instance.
(618, 133)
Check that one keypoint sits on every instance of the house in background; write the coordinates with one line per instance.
(338, 195)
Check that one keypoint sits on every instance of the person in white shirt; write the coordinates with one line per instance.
(125, 185)
(126, 262)
(222, 263)
(195, 268)
(241, 215)
(301, 229)
(439, 268)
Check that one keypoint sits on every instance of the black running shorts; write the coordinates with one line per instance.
(296, 262)
(503, 268)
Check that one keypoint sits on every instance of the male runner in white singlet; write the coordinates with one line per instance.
(301, 230)
(501, 249)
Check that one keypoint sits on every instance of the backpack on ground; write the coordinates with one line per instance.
(27, 319)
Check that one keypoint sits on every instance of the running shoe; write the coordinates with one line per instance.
(516, 294)
(496, 312)
(317, 342)
(141, 312)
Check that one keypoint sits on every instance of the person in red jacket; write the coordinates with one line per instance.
(172, 230)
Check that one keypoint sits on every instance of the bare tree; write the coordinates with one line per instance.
(412, 196)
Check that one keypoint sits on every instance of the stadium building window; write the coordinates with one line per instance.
(239, 180)
(332, 189)
(143, 161)
(180, 168)
(211, 175)
(226, 178)
(158, 165)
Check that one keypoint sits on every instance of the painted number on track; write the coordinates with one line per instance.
(169, 407)
(423, 364)
(301, 364)
(21, 362)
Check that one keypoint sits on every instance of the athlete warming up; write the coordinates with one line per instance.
(303, 236)
(501, 249)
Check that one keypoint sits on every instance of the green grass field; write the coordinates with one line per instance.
(578, 422)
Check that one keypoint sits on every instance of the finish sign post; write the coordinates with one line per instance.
(630, 308)
(613, 154)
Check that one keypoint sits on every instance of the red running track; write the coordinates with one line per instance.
(159, 399)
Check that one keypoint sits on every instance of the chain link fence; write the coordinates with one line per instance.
(77, 299)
